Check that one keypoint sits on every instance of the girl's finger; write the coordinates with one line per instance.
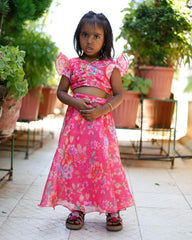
(87, 101)
(94, 104)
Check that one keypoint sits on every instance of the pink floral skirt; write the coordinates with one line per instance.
(86, 172)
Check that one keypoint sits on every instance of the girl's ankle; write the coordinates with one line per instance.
(115, 215)
(76, 213)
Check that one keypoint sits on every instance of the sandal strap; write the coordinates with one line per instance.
(115, 221)
(74, 219)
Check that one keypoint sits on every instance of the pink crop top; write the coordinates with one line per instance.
(95, 74)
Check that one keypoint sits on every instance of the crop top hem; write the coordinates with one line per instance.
(95, 74)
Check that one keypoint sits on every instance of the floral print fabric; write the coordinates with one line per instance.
(86, 173)
(95, 74)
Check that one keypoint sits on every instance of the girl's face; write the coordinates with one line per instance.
(91, 40)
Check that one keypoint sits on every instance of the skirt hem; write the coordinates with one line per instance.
(86, 211)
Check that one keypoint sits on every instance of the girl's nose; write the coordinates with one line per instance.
(89, 39)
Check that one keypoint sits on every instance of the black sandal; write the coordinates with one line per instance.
(114, 223)
(75, 222)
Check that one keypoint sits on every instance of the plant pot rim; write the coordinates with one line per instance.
(157, 68)
(50, 86)
(131, 93)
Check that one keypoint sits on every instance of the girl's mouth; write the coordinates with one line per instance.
(88, 49)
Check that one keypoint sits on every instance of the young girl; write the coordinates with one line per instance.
(86, 174)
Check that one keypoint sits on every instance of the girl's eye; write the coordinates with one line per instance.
(96, 37)
(84, 35)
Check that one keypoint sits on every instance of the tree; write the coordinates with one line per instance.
(21, 29)
(15, 13)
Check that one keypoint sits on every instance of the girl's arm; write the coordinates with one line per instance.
(117, 88)
(114, 101)
(64, 97)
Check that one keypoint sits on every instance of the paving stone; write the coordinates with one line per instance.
(162, 211)
(33, 229)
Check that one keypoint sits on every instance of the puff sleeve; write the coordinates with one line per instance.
(62, 65)
(122, 63)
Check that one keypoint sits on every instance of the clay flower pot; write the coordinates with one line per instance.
(161, 78)
(9, 116)
(30, 105)
(48, 102)
(125, 114)
(157, 113)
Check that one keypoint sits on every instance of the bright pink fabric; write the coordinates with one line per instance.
(86, 172)
(95, 74)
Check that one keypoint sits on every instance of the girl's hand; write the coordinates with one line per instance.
(93, 113)
(82, 104)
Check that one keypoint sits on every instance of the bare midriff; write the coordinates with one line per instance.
(93, 91)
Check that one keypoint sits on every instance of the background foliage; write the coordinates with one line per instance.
(11, 71)
(16, 12)
(20, 27)
(158, 32)
(137, 84)
(41, 54)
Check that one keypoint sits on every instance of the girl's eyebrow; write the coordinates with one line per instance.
(92, 33)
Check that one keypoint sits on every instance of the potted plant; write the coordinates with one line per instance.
(40, 57)
(49, 96)
(158, 37)
(12, 87)
(48, 103)
(16, 32)
(158, 113)
(125, 114)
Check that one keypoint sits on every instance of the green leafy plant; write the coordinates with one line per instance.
(41, 53)
(18, 27)
(137, 84)
(158, 32)
(15, 13)
(11, 71)
(4, 8)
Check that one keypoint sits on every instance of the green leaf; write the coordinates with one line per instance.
(158, 34)
(157, 184)
(12, 73)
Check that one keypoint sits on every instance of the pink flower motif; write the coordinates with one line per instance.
(122, 63)
(68, 172)
(61, 64)
(96, 172)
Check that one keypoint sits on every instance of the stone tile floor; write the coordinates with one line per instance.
(162, 211)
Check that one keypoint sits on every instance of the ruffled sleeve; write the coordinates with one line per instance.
(122, 63)
(62, 65)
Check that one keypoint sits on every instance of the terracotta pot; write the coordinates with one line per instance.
(9, 116)
(161, 78)
(158, 114)
(30, 105)
(58, 104)
(125, 114)
(48, 103)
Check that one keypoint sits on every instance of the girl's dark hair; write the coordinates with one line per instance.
(99, 20)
